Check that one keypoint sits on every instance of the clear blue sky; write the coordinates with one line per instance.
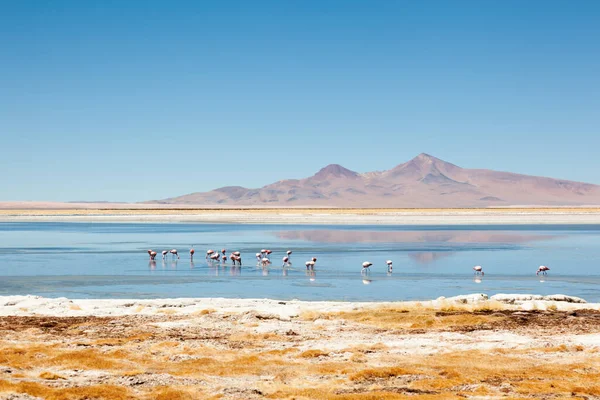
(138, 100)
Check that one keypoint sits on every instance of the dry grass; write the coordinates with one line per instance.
(51, 376)
(313, 354)
(210, 362)
(50, 393)
(446, 316)
(379, 373)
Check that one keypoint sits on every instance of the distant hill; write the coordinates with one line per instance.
(424, 181)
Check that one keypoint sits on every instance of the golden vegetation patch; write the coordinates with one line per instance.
(379, 373)
(229, 361)
(419, 317)
(314, 354)
(51, 376)
(73, 393)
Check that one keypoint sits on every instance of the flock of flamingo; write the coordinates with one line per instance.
(542, 269)
(264, 260)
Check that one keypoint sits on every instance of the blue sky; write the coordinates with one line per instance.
(139, 100)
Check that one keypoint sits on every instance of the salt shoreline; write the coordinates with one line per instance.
(315, 216)
(284, 310)
(425, 220)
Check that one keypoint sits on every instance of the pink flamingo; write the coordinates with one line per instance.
(478, 270)
(153, 255)
(174, 252)
(310, 264)
(150, 254)
(192, 251)
(286, 261)
(389, 265)
(209, 253)
(366, 265)
(543, 270)
(164, 253)
(265, 262)
(238, 259)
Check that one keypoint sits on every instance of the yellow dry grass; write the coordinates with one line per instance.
(73, 393)
(418, 316)
(51, 376)
(283, 367)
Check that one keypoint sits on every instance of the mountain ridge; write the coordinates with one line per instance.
(424, 181)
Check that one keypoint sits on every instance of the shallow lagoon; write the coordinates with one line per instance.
(109, 260)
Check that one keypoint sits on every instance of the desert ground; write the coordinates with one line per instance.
(517, 347)
(21, 212)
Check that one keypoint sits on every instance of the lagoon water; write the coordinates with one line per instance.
(110, 260)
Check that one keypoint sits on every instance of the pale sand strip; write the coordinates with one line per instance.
(316, 217)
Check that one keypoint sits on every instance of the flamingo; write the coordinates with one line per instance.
(258, 257)
(286, 261)
(366, 265)
(478, 270)
(153, 255)
(209, 253)
(310, 264)
(265, 262)
(389, 265)
(164, 253)
(543, 270)
(215, 256)
(238, 259)
(174, 252)
(192, 251)
(150, 254)
(223, 251)
(237, 253)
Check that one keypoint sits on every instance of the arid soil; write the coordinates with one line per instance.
(391, 352)
(10, 212)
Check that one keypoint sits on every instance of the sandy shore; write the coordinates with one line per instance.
(509, 346)
(506, 216)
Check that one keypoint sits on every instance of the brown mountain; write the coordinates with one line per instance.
(424, 181)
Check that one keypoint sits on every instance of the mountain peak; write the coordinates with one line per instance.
(426, 158)
(335, 170)
(423, 165)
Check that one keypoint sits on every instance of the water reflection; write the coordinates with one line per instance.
(427, 257)
(359, 236)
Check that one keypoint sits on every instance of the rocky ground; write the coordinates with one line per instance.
(469, 347)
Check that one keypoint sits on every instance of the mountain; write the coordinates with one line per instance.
(425, 181)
